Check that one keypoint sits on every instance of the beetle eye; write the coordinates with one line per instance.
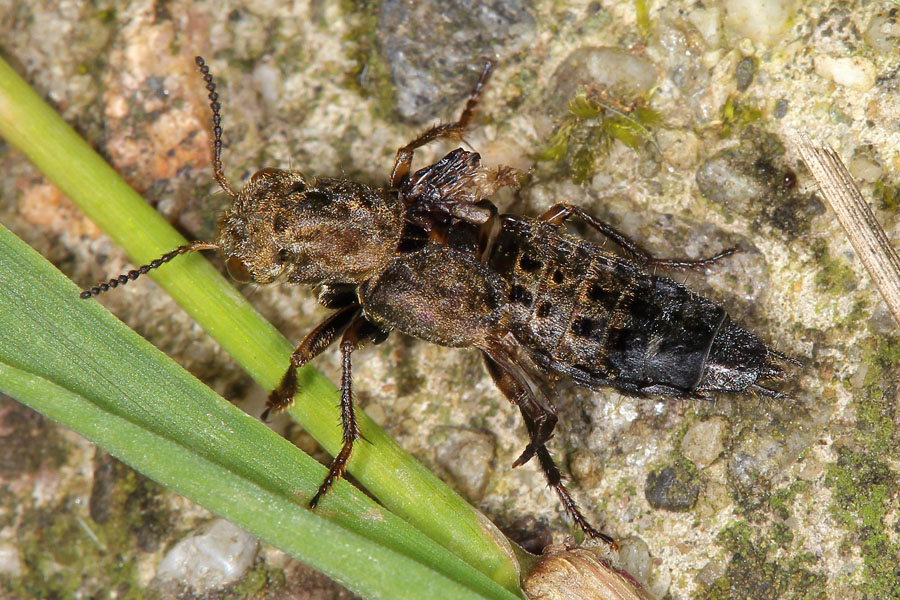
(238, 270)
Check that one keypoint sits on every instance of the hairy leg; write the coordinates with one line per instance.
(540, 423)
(454, 130)
(558, 213)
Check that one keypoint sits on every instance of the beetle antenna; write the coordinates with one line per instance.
(135, 273)
(218, 170)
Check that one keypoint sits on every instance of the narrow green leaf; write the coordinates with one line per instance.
(76, 363)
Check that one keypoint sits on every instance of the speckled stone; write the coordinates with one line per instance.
(289, 75)
(219, 554)
(466, 455)
(703, 442)
(434, 48)
(674, 488)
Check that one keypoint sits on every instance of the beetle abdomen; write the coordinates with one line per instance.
(602, 320)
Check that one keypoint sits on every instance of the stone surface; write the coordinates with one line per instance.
(466, 456)
(307, 84)
(434, 49)
(594, 67)
(703, 442)
(218, 555)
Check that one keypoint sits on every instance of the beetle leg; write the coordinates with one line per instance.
(358, 333)
(540, 427)
(404, 157)
(312, 345)
(539, 422)
(558, 214)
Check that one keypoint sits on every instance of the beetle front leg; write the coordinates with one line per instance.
(403, 160)
(312, 345)
(358, 333)
(558, 214)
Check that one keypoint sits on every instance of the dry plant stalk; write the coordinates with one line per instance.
(580, 573)
(857, 219)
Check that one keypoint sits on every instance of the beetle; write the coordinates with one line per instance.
(429, 255)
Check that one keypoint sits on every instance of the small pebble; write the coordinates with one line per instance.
(854, 72)
(9, 560)
(863, 165)
(634, 554)
(882, 321)
(680, 148)
(466, 455)
(858, 379)
(781, 108)
(744, 73)
(711, 572)
(218, 555)
(763, 21)
(268, 81)
(706, 20)
(883, 33)
(725, 180)
(583, 467)
(704, 441)
(674, 488)
(810, 469)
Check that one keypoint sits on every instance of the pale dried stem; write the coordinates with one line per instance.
(857, 219)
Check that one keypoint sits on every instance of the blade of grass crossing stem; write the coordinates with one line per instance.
(361, 565)
(391, 474)
(111, 385)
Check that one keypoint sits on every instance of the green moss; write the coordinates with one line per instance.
(887, 196)
(860, 311)
(862, 480)
(862, 485)
(370, 75)
(642, 12)
(558, 146)
(781, 499)
(882, 354)
(65, 555)
(106, 15)
(751, 574)
(834, 275)
(584, 137)
(782, 536)
(255, 581)
(736, 114)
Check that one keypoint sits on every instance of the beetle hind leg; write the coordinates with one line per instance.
(540, 423)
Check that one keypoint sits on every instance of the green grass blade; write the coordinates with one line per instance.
(392, 475)
(76, 363)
